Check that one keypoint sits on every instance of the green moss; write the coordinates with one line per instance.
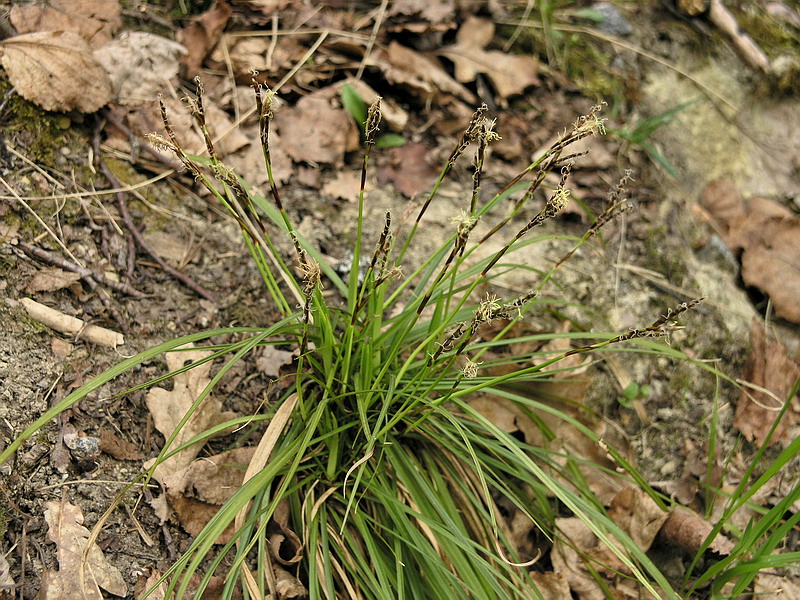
(38, 133)
(578, 56)
(775, 37)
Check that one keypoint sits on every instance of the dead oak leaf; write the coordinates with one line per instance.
(67, 531)
(57, 71)
(509, 73)
(769, 368)
(96, 22)
(769, 236)
(317, 129)
(168, 408)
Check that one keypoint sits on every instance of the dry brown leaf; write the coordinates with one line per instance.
(721, 198)
(51, 279)
(551, 586)
(248, 162)
(408, 168)
(70, 536)
(768, 586)
(214, 479)
(638, 515)
(271, 360)
(418, 73)
(345, 185)
(96, 22)
(769, 236)
(392, 114)
(140, 65)
(434, 11)
(6, 582)
(317, 129)
(568, 564)
(769, 367)
(119, 448)
(217, 120)
(246, 53)
(288, 586)
(168, 407)
(284, 544)
(687, 530)
(568, 440)
(202, 34)
(57, 71)
(509, 73)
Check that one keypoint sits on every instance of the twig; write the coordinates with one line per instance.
(122, 202)
(86, 274)
(375, 29)
(66, 324)
(40, 220)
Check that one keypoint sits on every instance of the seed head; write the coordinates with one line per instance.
(470, 370)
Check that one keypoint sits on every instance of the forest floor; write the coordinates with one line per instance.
(712, 140)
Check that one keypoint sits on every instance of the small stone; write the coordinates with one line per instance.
(613, 22)
(61, 347)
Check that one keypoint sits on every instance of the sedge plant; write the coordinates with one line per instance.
(389, 479)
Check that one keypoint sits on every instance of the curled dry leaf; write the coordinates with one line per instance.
(687, 530)
(638, 515)
(57, 71)
(140, 65)
(67, 531)
(202, 34)
(417, 73)
(96, 22)
(509, 73)
(769, 368)
(768, 236)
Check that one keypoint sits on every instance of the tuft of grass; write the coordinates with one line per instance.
(391, 480)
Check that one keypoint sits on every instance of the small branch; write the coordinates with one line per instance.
(90, 277)
(122, 202)
(73, 326)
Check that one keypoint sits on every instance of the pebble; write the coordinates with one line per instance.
(613, 22)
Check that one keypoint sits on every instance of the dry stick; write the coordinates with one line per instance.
(67, 324)
(122, 202)
(40, 220)
(375, 29)
(86, 274)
